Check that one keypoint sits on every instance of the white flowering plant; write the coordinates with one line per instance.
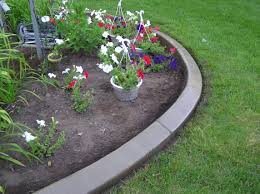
(46, 141)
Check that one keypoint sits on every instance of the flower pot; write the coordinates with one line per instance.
(125, 95)
(53, 58)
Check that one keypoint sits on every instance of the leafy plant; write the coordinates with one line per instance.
(7, 131)
(81, 102)
(45, 144)
(127, 78)
(20, 11)
(79, 34)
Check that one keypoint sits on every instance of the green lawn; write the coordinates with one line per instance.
(219, 149)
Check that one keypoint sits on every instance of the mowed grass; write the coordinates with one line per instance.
(219, 149)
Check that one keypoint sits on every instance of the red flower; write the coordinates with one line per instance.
(140, 73)
(109, 17)
(154, 39)
(85, 73)
(124, 24)
(147, 60)
(108, 26)
(172, 50)
(53, 21)
(101, 24)
(133, 47)
(114, 27)
(139, 38)
(72, 84)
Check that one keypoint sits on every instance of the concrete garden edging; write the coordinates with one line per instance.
(116, 165)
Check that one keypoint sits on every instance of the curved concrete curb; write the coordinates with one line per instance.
(117, 164)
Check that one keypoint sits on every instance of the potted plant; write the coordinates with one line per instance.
(126, 82)
(55, 56)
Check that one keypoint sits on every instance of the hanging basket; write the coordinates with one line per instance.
(125, 95)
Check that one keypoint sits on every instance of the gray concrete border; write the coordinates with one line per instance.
(116, 165)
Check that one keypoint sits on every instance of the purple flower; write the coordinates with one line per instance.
(173, 64)
(140, 27)
(159, 59)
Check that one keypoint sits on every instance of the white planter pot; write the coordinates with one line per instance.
(125, 95)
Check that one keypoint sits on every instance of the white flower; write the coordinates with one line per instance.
(110, 44)
(129, 13)
(89, 20)
(118, 49)
(79, 69)
(103, 50)
(51, 75)
(28, 136)
(59, 16)
(79, 77)
(114, 58)
(64, 2)
(141, 34)
(66, 71)
(154, 34)
(41, 123)
(148, 23)
(105, 34)
(119, 38)
(59, 41)
(45, 19)
(107, 68)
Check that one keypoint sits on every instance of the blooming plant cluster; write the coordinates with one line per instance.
(130, 42)
(46, 141)
(73, 79)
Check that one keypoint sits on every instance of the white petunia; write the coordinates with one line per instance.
(114, 58)
(79, 69)
(79, 77)
(64, 2)
(51, 75)
(59, 41)
(28, 136)
(103, 50)
(119, 38)
(129, 13)
(66, 71)
(118, 49)
(41, 123)
(105, 34)
(148, 23)
(89, 20)
(107, 68)
(110, 44)
(45, 19)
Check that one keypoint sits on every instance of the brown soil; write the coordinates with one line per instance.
(106, 125)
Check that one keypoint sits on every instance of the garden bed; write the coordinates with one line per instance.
(106, 125)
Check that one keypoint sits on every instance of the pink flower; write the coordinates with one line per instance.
(172, 50)
(133, 47)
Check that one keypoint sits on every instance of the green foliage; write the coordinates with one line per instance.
(20, 11)
(79, 34)
(51, 82)
(47, 142)
(126, 78)
(2, 189)
(154, 48)
(8, 129)
(81, 102)
(8, 86)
